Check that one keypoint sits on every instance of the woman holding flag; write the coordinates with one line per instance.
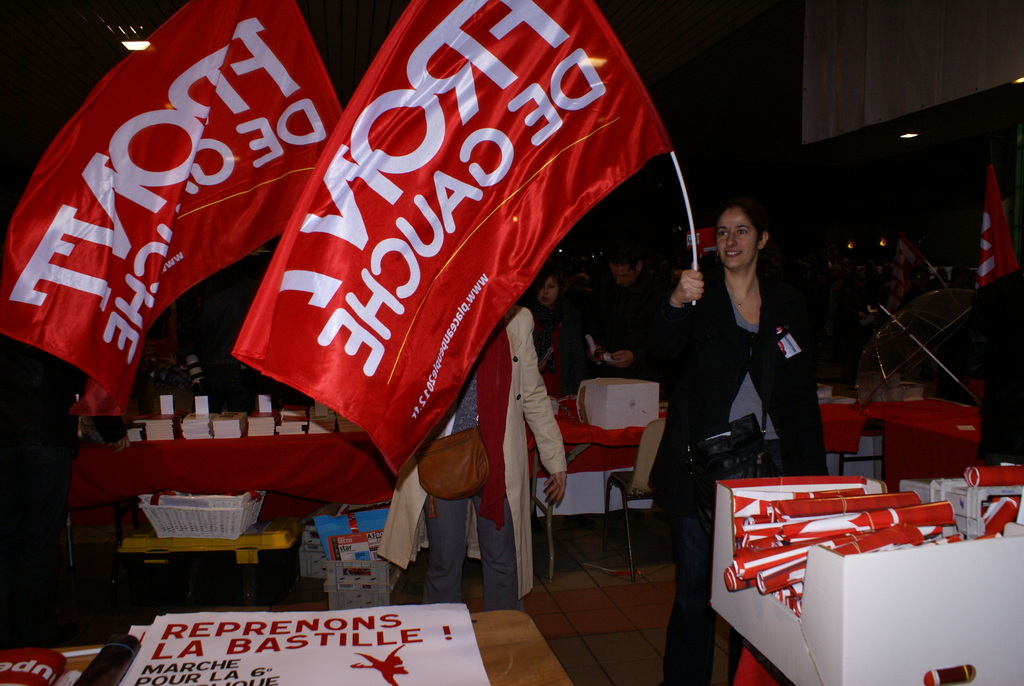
(744, 336)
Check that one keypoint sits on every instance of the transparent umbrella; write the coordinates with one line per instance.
(912, 335)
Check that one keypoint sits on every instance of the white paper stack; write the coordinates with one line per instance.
(158, 427)
(262, 424)
(322, 420)
(293, 419)
(196, 426)
(229, 424)
(134, 432)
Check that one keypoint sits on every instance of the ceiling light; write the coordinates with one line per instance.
(908, 135)
(132, 37)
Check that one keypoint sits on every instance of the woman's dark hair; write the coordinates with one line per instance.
(550, 269)
(754, 210)
(769, 260)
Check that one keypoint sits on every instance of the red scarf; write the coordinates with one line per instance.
(494, 379)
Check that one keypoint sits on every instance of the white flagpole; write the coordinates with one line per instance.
(689, 212)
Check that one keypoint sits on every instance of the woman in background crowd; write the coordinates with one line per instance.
(557, 333)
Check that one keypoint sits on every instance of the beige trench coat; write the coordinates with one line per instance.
(405, 532)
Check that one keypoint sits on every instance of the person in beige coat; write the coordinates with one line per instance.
(459, 522)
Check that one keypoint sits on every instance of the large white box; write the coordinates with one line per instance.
(617, 403)
(883, 617)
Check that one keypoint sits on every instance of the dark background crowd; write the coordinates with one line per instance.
(845, 298)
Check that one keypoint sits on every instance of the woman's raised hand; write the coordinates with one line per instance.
(690, 288)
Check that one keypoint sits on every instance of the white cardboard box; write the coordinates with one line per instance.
(618, 403)
(884, 617)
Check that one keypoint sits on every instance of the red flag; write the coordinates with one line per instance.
(183, 159)
(482, 131)
(995, 255)
(907, 256)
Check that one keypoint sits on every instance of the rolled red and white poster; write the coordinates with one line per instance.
(747, 502)
(761, 529)
(30, 666)
(960, 674)
(1001, 512)
(740, 524)
(831, 493)
(760, 542)
(894, 535)
(734, 583)
(929, 531)
(791, 597)
(817, 507)
(781, 576)
(928, 514)
(748, 562)
(749, 505)
(994, 475)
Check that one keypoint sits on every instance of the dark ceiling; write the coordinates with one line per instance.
(726, 76)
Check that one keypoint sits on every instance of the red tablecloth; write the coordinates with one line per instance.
(608, 448)
(616, 448)
(597, 452)
(574, 432)
(924, 439)
(336, 467)
(842, 425)
(939, 447)
(929, 408)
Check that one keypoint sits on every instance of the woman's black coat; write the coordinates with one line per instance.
(717, 355)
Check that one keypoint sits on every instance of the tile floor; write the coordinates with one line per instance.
(603, 628)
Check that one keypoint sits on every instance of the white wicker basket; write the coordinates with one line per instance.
(201, 516)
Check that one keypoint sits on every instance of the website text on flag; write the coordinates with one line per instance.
(482, 131)
(183, 159)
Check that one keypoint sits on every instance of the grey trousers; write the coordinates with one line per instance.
(447, 535)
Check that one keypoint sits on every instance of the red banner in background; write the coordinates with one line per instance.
(995, 254)
(907, 257)
(482, 131)
(706, 241)
(183, 159)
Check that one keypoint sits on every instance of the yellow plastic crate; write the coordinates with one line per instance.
(258, 567)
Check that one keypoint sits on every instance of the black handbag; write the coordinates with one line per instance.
(737, 453)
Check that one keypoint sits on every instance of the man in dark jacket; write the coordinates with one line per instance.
(619, 317)
(37, 444)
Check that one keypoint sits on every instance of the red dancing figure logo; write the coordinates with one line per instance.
(387, 667)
